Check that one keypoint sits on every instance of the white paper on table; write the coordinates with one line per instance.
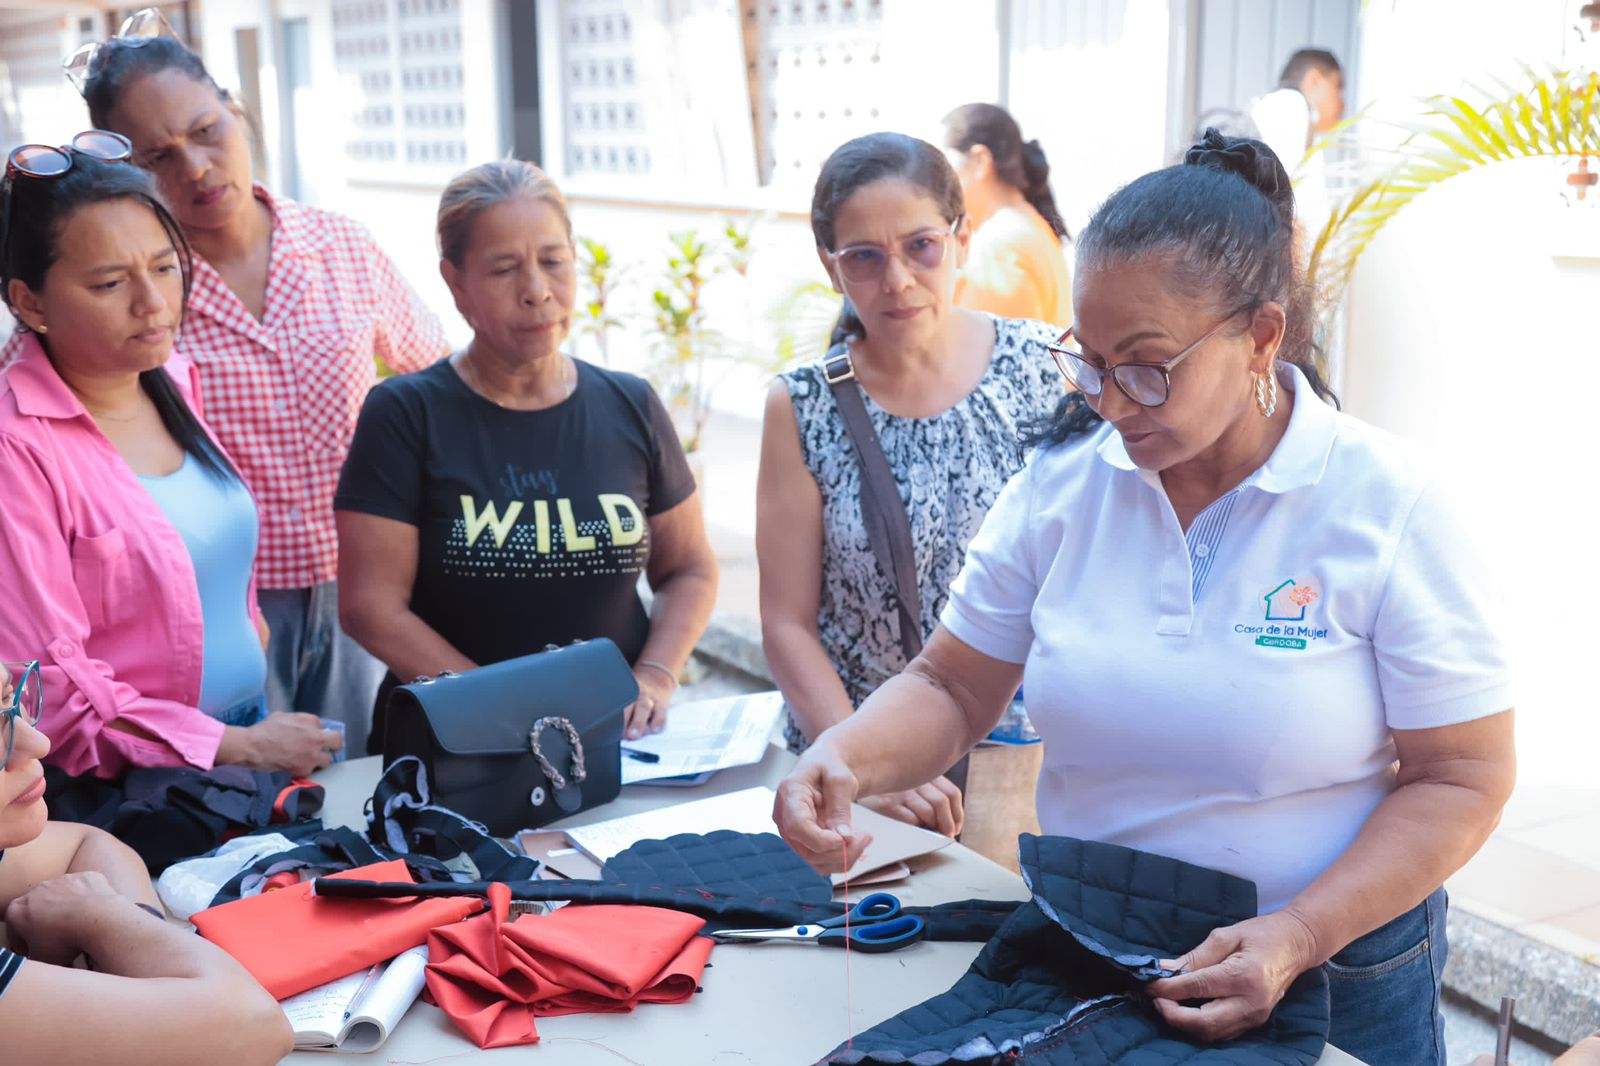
(706, 735)
(332, 1017)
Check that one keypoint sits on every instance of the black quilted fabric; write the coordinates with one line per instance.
(748, 865)
(733, 880)
(1061, 981)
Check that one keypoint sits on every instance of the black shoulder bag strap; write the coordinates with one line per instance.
(882, 511)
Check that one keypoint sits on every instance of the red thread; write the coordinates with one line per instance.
(849, 1028)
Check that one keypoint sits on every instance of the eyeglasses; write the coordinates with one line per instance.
(866, 263)
(138, 29)
(1146, 384)
(25, 703)
(43, 161)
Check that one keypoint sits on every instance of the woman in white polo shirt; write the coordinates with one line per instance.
(1253, 635)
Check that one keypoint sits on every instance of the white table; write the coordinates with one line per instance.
(754, 1010)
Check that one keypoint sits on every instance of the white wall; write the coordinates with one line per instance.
(1473, 332)
(399, 212)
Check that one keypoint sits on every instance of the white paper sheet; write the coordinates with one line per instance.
(331, 1017)
(706, 735)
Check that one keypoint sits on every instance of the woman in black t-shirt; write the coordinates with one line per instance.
(509, 497)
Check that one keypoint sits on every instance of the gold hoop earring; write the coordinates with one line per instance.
(1267, 393)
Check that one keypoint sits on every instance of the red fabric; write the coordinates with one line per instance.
(494, 977)
(290, 940)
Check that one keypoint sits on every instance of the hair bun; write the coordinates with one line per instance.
(1252, 160)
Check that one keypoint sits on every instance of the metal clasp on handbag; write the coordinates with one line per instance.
(424, 679)
(557, 779)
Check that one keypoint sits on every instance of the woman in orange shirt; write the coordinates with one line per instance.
(1015, 266)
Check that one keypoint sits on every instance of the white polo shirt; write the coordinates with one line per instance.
(1227, 697)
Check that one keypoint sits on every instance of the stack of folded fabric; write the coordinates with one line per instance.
(493, 976)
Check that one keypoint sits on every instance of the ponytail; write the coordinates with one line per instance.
(849, 325)
(1021, 165)
(1036, 188)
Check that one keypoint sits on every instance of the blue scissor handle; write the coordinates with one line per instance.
(876, 907)
(876, 936)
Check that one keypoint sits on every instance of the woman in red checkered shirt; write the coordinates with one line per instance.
(290, 306)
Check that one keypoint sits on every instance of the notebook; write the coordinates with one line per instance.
(354, 1014)
(750, 811)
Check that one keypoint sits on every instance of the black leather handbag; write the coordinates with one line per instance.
(519, 743)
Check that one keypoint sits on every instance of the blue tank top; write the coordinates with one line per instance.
(217, 520)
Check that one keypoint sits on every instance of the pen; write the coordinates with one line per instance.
(642, 756)
(366, 983)
(1502, 1042)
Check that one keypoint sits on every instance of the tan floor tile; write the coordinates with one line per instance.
(1524, 882)
(1584, 923)
(1564, 939)
(1533, 804)
(1576, 838)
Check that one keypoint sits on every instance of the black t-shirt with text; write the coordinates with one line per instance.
(532, 525)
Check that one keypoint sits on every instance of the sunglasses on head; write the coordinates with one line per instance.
(43, 161)
(138, 29)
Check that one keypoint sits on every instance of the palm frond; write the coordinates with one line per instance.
(1555, 112)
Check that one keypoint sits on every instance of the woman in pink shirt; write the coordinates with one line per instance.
(129, 542)
(291, 304)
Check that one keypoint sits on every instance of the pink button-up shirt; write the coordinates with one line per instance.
(96, 584)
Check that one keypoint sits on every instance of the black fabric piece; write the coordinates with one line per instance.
(733, 880)
(168, 814)
(749, 865)
(1062, 982)
(323, 850)
(437, 844)
(403, 821)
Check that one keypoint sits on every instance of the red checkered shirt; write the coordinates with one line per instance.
(283, 393)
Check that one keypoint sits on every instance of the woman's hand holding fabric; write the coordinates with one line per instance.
(1240, 971)
(935, 805)
(284, 740)
(813, 810)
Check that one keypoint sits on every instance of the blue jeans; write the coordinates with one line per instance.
(313, 665)
(1385, 990)
(251, 711)
(247, 713)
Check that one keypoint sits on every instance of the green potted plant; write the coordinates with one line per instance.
(600, 274)
(1556, 113)
(684, 343)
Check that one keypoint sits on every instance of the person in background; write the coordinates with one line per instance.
(1256, 634)
(947, 391)
(509, 497)
(157, 995)
(1308, 102)
(1015, 266)
(129, 540)
(291, 306)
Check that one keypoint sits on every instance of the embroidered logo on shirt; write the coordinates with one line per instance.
(1288, 601)
(1288, 605)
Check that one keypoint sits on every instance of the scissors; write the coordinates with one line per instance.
(875, 924)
